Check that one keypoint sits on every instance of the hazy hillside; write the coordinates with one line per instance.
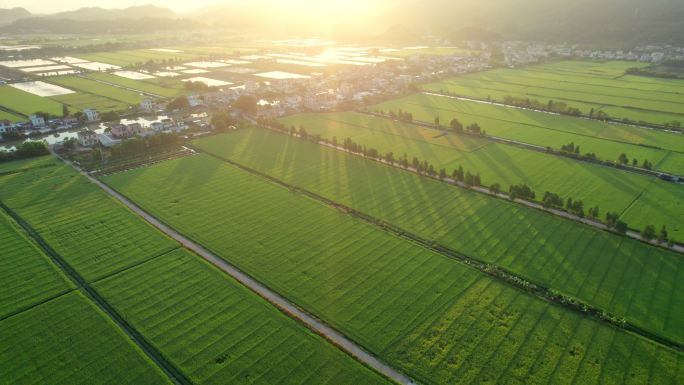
(97, 13)
(10, 15)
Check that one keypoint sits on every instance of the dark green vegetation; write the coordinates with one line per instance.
(207, 326)
(594, 88)
(436, 318)
(623, 276)
(24, 151)
(28, 276)
(69, 341)
(218, 332)
(611, 189)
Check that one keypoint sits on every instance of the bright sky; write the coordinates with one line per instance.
(47, 6)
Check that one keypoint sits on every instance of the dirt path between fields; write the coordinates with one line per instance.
(313, 323)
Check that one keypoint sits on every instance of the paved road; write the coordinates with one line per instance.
(283, 304)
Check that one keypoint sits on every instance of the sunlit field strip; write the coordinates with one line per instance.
(520, 239)
(611, 189)
(379, 289)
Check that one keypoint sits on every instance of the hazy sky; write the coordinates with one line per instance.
(49, 6)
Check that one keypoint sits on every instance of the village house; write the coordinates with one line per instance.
(37, 121)
(91, 115)
(123, 131)
(147, 105)
(87, 138)
(6, 126)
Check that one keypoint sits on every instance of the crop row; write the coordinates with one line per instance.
(383, 291)
(617, 274)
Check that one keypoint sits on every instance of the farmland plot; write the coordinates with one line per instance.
(165, 87)
(218, 332)
(607, 141)
(69, 341)
(598, 86)
(90, 230)
(28, 276)
(623, 276)
(396, 298)
(612, 190)
(101, 89)
(26, 103)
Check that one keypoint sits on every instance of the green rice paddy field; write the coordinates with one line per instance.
(26, 103)
(97, 90)
(163, 87)
(28, 276)
(432, 316)
(4, 115)
(95, 234)
(69, 341)
(206, 324)
(135, 57)
(623, 276)
(581, 84)
(607, 141)
(611, 189)
(218, 332)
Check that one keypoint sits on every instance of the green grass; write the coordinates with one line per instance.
(4, 115)
(402, 302)
(94, 233)
(93, 89)
(167, 88)
(623, 276)
(584, 85)
(28, 276)
(69, 341)
(26, 103)
(607, 141)
(23, 164)
(612, 190)
(218, 332)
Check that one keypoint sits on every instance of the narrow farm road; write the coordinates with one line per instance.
(316, 325)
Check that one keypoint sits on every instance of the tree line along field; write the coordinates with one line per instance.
(218, 332)
(437, 319)
(663, 149)
(584, 85)
(623, 276)
(207, 325)
(611, 189)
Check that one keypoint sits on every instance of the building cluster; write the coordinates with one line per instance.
(521, 53)
(117, 132)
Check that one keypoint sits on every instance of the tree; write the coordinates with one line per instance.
(635, 162)
(623, 159)
(456, 125)
(179, 103)
(247, 104)
(662, 235)
(221, 120)
(110, 116)
(458, 174)
(647, 165)
(621, 227)
(495, 188)
(594, 212)
(648, 233)
(437, 121)
(442, 174)
(65, 111)
(552, 200)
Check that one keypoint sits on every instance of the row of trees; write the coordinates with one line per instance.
(534, 104)
(25, 150)
(624, 160)
(138, 146)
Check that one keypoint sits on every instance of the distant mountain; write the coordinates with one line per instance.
(9, 15)
(114, 26)
(97, 13)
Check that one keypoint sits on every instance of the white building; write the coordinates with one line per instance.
(6, 126)
(91, 114)
(37, 121)
(147, 105)
(87, 138)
